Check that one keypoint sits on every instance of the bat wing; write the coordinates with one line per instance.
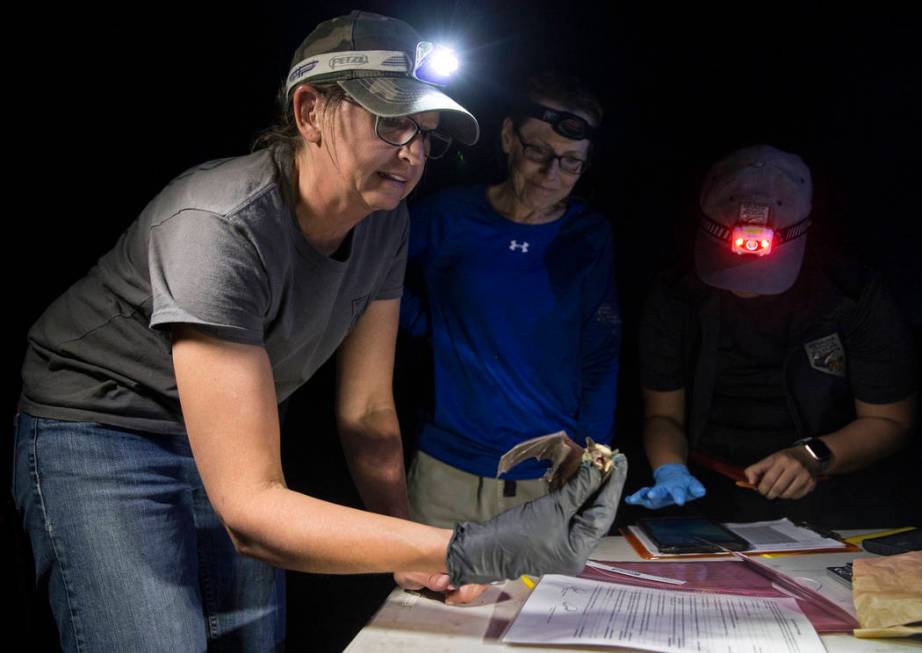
(556, 447)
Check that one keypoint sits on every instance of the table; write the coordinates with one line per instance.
(409, 622)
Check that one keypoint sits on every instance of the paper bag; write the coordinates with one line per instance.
(888, 595)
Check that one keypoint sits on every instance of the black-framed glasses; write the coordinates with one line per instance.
(401, 130)
(570, 164)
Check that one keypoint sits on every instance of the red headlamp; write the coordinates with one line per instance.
(751, 239)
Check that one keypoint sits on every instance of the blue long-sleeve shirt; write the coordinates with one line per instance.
(524, 323)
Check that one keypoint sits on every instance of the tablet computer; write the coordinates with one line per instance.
(690, 535)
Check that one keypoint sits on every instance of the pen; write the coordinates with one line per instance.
(633, 574)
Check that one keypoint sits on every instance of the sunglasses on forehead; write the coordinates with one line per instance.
(569, 125)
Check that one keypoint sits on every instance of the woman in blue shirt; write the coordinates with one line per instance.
(514, 285)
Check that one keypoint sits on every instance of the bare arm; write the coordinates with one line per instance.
(229, 405)
(369, 430)
(365, 411)
(664, 427)
(878, 430)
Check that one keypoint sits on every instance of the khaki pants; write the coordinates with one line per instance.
(442, 495)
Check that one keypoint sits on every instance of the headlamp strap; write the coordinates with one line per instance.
(391, 61)
(555, 118)
(723, 233)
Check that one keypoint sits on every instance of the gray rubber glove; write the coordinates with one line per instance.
(551, 535)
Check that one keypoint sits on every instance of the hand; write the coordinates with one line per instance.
(786, 474)
(416, 580)
(674, 485)
(553, 534)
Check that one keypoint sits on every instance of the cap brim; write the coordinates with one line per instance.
(772, 274)
(401, 96)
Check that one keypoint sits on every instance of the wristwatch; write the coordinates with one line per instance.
(817, 450)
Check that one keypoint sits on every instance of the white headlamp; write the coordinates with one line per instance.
(434, 64)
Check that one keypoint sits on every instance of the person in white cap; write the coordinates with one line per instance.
(769, 368)
(147, 458)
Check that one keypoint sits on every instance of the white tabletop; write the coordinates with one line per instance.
(409, 622)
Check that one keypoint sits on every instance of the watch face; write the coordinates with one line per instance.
(818, 449)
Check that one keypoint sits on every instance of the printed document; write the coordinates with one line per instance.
(569, 610)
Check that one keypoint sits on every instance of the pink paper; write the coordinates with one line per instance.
(742, 577)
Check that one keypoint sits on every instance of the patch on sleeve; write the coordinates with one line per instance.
(827, 355)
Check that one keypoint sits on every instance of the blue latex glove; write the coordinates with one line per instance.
(674, 485)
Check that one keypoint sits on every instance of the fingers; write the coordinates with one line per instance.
(647, 498)
(653, 498)
(754, 471)
(800, 485)
(595, 521)
(578, 489)
(465, 594)
(409, 580)
(768, 479)
(806, 489)
(439, 583)
(781, 476)
(695, 488)
(415, 580)
(639, 498)
(676, 489)
(677, 492)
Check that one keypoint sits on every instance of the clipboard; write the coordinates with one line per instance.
(647, 554)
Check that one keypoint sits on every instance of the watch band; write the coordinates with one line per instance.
(816, 449)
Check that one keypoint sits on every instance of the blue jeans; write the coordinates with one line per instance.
(134, 555)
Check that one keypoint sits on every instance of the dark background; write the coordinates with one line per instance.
(110, 105)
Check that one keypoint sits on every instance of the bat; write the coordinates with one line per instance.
(565, 456)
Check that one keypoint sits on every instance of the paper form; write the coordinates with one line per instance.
(764, 537)
(569, 610)
(782, 535)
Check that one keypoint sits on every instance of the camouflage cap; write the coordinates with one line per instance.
(372, 58)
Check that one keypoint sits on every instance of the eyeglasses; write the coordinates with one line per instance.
(570, 164)
(401, 130)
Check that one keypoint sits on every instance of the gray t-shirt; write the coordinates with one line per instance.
(218, 248)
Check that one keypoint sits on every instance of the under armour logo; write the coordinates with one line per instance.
(513, 245)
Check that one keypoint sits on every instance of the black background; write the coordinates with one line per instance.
(109, 104)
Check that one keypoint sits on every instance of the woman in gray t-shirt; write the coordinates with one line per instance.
(156, 378)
